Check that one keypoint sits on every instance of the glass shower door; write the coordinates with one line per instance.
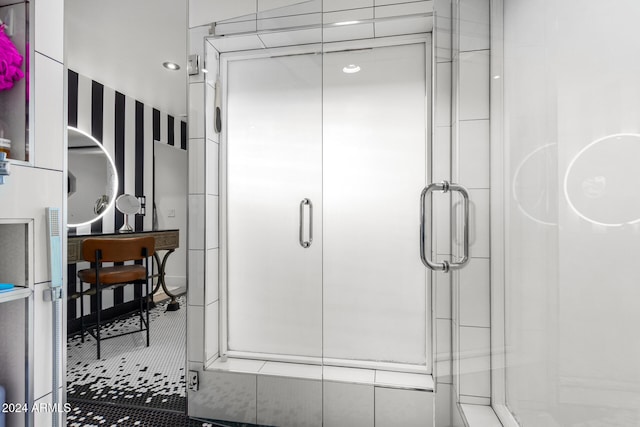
(572, 138)
(274, 206)
(374, 159)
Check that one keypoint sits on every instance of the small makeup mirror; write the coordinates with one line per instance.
(128, 205)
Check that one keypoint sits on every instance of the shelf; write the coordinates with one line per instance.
(14, 294)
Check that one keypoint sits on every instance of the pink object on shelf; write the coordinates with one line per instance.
(10, 62)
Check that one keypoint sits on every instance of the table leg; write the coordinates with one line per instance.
(173, 304)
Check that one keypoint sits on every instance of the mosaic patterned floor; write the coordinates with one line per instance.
(87, 414)
(130, 373)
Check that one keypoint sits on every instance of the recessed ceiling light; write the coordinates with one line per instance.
(350, 69)
(170, 65)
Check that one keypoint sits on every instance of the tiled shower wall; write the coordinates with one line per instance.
(470, 167)
(460, 153)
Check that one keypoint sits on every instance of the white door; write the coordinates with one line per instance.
(374, 160)
(274, 162)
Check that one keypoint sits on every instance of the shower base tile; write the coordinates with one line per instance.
(247, 366)
(349, 375)
(404, 380)
(292, 370)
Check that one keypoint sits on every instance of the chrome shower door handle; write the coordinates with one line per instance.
(444, 187)
(427, 192)
(306, 243)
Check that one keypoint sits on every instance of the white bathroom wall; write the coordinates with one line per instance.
(33, 186)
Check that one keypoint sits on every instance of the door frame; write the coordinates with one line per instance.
(318, 48)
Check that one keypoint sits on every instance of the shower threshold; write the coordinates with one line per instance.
(387, 375)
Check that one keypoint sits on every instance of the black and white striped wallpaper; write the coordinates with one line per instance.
(127, 128)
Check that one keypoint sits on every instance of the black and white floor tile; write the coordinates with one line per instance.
(130, 373)
(132, 384)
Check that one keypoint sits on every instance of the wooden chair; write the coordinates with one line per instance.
(117, 250)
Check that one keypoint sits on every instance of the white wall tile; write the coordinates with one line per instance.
(296, 9)
(333, 5)
(347, 32)
(388, 8)
(212, 222)
(479, 220)
(407, 408)
(49, 31)
(238, 365)
(474, 25)
(443, 94)
(442, 154)
(404, 380)
(197, 166)
(42, 318)
(284, 22)
(475, 364)
(473, 153)
(288, 402)
(289, 38)
(212, 276)
(398, 27)
(444, 372)
(478, 224)
(195, 294)
(196, 221)
(49, 117)
(347, 405)
(456, 415)
(293, 370)
(443, 406)
(44, 188)
(348, 375)
(211, 328)
(475, 400)
(474, 85)
(195, 333)
(212, 168)
(227, 28)
(196, 110)
(225, 396)
(44, 417)
(443, 339)
(348, 15)
(442, 29)
(443, 291)
(204, 12)
(264, 5)
(442, 221)
(474, 293)
(480, 415)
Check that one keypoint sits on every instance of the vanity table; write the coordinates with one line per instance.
(166, 240)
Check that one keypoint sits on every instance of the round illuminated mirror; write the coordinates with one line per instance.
(128, 205)
(92, 179)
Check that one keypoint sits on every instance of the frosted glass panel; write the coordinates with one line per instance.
(374, 170)
(274, 160)
(572, 128)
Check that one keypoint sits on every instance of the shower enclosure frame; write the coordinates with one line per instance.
(320, 48)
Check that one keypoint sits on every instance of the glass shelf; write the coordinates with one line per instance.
(14, 294)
